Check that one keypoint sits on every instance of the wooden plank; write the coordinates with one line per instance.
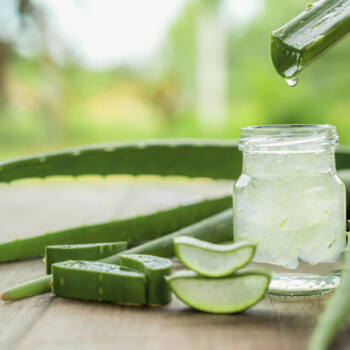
(70, 324)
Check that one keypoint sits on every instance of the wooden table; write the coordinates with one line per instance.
(48, 322)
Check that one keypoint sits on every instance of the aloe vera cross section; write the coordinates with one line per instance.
(309, 35)
(213, 260)
(229, 294)
(155, 269)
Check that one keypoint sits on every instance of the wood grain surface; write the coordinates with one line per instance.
(48, 322)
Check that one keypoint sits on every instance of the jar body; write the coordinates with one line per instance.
(292, 205)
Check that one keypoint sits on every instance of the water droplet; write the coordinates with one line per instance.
(292, 81)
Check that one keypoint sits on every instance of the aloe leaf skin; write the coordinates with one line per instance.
(309, 35)
(99, 282)
(89, 252)
(134, 230)
(155, 269)
(217, 228)
(188, 157)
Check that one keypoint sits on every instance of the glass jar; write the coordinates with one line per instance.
(290, 201)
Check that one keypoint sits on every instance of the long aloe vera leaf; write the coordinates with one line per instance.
(134, 230)
(192, 158)
(309, 35)
(217, 228)
(98, 281)
(89, 252)
(217, 159)
(336, 312)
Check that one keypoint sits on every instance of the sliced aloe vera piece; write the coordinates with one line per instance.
(309, 35)
(154, 268)
(90, 252)
(213, 260)
(98, 281)
(230, 294)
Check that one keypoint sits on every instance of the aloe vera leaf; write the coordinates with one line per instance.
(134, 230)
(309, 35)
(335, 313)
(217, 228)
(191, 158)
(213, 260)
(33, 287)
(90, 252)
(217, 159)
(230, 294)
(154, 268)
(98, 281)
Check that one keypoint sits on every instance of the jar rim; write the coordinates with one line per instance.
(288, 127)
(302, 137)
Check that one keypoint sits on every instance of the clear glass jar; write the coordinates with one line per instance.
(290, 201)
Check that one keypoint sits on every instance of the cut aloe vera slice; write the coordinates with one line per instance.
(98, 281)
(90, 252)
(154, 268)
(306, 37)
(229, 294)
(213, 260)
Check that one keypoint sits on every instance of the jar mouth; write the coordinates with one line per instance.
(289, 137)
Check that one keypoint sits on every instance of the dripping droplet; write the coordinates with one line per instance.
(292, 81)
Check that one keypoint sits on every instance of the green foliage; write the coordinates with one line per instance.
(51, 106)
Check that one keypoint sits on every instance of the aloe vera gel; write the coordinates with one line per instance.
(290, 202)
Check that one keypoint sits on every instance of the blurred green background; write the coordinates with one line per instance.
(76, 72)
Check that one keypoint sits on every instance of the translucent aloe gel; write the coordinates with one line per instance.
(290, 201)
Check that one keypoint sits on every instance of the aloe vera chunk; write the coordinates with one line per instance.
(154, 268)
(309, 35)
(230, 294)
(217, 228)
(134, 230)
(98, 281)
(213, 260)
(90, 252)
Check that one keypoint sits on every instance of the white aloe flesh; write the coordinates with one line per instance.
(213, 260)
(231, 294)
